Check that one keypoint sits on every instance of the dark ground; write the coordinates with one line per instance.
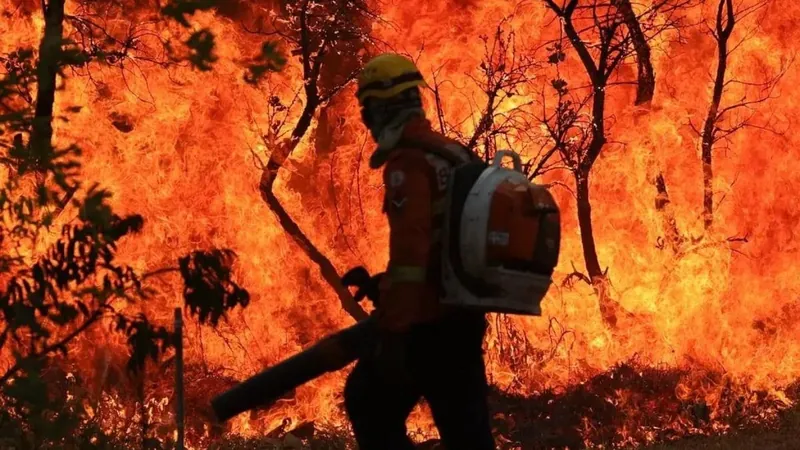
(636, 399)
(786, 437)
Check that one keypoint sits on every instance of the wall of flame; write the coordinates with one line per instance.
(188, 166)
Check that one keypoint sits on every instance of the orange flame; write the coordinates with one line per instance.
(178, 146)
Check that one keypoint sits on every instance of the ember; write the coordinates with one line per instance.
(664, 128)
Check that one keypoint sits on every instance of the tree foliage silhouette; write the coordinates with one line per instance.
(57, 285)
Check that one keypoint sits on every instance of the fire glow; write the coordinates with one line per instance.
(182, 148)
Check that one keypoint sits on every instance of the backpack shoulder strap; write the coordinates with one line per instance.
(447, 149)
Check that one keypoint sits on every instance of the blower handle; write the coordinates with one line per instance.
(498, 159)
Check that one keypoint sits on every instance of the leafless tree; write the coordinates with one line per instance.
(497, 119)
(504, 73)
(315, 32)
(91, 30)
(605, 36)
(113, 34)
(725, 116)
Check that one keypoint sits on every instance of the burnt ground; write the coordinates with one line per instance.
(784, 437)
(628, 406)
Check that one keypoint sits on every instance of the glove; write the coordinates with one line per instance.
(367, 285)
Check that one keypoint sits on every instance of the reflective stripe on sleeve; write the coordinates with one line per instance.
(408, 274)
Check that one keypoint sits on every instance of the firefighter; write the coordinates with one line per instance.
(425, 349)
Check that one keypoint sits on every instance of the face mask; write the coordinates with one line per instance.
(374, 119)
(377, 114)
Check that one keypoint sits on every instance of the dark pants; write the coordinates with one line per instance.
(443, 363)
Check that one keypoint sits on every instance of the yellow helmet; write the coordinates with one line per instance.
(386, 76)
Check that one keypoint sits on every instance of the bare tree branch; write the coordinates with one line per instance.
(603, 35)
(52, 347)
(317, 29)
(718, 124)
(505, 70)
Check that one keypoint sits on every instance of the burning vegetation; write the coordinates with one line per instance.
(232, 181)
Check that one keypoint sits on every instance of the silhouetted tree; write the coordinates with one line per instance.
(507, 73)
(503, 116)
(724, 116)
(734, 105)
(604, 36)
(314, 32)
(49, 298)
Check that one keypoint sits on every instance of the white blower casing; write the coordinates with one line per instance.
(520, 292)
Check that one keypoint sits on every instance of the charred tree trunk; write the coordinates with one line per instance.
(610, 46)
(596, 274)
(672, 236)
(724, 28)
(646, 77)
(312, 59)
(585, 161)
(609, 309)
(585, 223)
(598, 71)
(46, 72)
(326, 268)
(41, 139)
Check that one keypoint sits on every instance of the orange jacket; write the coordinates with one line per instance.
(415, 183)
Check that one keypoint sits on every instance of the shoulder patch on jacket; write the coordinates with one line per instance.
(441, 168)
(396, 178)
